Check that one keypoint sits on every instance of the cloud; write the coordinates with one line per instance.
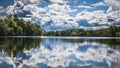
(54, 18)
(113, 3)
(60, 8)
(26, 2)
(62, 14)
(114, 15)
(113, 11)
(85, 7)
(10, 10)
(3, 5)
(99, 4)
(1, 9)
(55, 14)
(61, 1)
(17, 7)
(92, 17)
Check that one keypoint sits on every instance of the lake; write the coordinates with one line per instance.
(59, 52)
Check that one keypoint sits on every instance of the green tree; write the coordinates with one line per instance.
(117, 34)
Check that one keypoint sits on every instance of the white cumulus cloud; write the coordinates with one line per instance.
(92, 17)
(113, 3)
(113, 11)
(99, 4)
(61, 1)
(86, 7)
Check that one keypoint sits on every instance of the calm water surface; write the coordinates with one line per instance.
(59, 52)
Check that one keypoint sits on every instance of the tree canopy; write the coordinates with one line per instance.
(112, 31)
(13, 26)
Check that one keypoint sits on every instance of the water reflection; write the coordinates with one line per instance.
(17, 45)
(59, 52)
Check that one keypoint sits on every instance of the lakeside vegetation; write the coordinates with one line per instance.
(112, 31)
(13, 26)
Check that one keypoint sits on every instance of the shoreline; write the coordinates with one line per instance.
(64, 37)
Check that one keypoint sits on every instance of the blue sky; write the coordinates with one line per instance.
(65, 14)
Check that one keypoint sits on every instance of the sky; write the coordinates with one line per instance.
(65, 14)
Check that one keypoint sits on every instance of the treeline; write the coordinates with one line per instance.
(112, 31)
(13, 26)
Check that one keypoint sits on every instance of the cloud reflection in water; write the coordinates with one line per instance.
(66, 53)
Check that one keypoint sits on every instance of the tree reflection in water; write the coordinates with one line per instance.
(60, 52)
(12, 46)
